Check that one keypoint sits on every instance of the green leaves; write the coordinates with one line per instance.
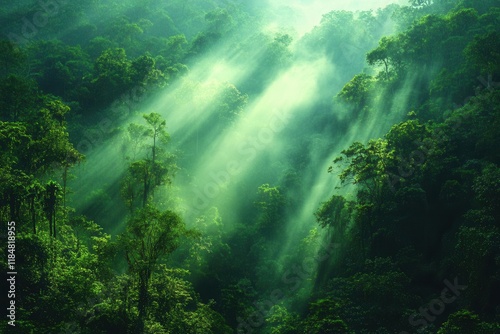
(390, 55)
(151, 170)
(144, 72)
(230, 104)
(111, 76)
(150, 235)
(334, 213)
(157, 125)
(270, 203)
(465, 321)
(323, 317)
(18, 98)
(357, 91)
(364, 164)
(35, 143)
(176, 307)
(487, 189)
(11, 57)
(483, 53)
(12, 136)
(59, 68)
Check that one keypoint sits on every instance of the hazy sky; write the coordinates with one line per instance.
(303, 15)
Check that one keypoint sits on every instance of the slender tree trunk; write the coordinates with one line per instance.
(146, 188)
(153, 167)
(154, 148)
(143, 301)
(33, 214)
(54, 217)
(50, 224)
(64, 178)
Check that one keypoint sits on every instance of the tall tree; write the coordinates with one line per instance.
(270, 203)
(155, 166)
(151, 235)
(483, 53)
(111, 77)
(51, 199)
(11, 57)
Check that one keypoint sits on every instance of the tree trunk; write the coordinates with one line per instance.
(33, 214)
(146, 188)
(54, 224)
(143, 301)
(50, 223)
(65, 179)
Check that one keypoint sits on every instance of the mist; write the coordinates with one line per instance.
(279, 73)
(238, 167)
(253, 147)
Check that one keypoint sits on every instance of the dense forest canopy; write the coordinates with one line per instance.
(267, 167)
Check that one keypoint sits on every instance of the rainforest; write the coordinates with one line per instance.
(261, 166)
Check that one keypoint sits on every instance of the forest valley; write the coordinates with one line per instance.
(267, 167)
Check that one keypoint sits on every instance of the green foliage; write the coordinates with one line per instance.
(144, 72)
(274, 56)
(60, 69)
(270, 203)
(61, 274)
(475, 249)
(487, 189)
(152, 170)
(365, 164)
(150, 236)
(465, 321)
(231, 104)
(18, 97)
(281, 321)
(335, 214)
(174, 49)
(177, 308)
(418, 204)
(389, 54)
(11, 58)
(322, 318)
(127, 33)
(483, 53)
(204, 42)
(425, 180)
(341, 36)
(356, 91)
(220, 21)
(111, 76)
(367, 299)
(236, 300)
(35, 143)
(475, 139)
(209, 242)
